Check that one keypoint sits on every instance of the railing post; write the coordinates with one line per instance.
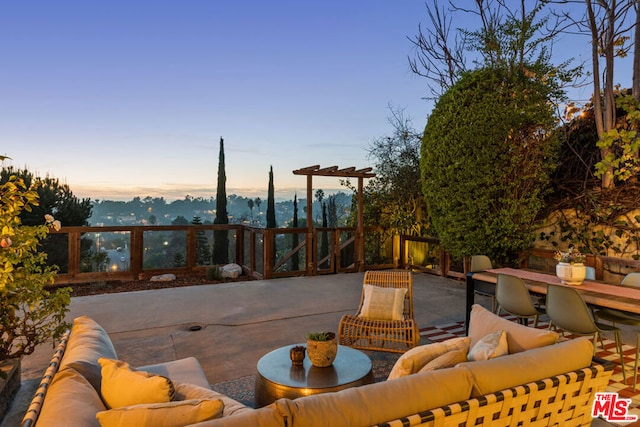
(137, 252)
(268, 251)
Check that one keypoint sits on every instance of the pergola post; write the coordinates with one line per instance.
(351, 172)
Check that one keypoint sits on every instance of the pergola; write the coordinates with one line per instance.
(334, 171)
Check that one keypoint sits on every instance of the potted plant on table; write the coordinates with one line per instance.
(29, 313)
(570, 268)
(322, 348)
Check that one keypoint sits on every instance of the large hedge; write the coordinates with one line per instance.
(487, 152)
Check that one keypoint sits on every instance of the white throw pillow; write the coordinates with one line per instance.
(383, 303)
(490, 346)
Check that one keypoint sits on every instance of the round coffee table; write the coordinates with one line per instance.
(278, 378)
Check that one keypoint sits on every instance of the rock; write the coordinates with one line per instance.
(231, 271)
(163, 278)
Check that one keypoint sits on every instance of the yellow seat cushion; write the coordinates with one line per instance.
(123, 386)
(171, 414)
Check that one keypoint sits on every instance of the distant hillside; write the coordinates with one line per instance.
(156, 211)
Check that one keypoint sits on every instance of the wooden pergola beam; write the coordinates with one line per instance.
(334, 171)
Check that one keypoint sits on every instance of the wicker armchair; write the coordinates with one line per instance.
(382, 335)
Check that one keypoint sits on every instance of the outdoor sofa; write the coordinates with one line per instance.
(540, 379)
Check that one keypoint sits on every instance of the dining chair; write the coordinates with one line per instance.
(512, 296)
(568, 311)
(590, 273)
(482, 263)
(625, 318)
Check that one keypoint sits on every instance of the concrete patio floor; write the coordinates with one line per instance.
(239, 321)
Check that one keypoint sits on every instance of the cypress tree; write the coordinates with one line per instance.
(295, 260)
(221, 237)
(271, 204)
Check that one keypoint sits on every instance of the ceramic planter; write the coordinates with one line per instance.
(322, 353)
(571, 274)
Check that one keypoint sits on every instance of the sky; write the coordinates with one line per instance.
(130, 98)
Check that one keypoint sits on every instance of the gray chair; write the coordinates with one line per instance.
(482, 263)
(513, 297)
(568, 311)
(625, 318)
(590, 273)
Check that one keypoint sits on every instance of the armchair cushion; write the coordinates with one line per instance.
(383, 303)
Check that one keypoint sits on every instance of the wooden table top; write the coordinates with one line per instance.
(594, 292)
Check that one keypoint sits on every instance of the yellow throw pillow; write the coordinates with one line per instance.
(447, 360)
(172, 414)
(490, 346)
(383, 303)
(123, 386)
(413, 360)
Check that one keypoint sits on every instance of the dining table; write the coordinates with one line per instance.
(594, 292)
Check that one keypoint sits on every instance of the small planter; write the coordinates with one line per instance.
(9, 383)
(322, 353)
(297, 355)
(571, 274)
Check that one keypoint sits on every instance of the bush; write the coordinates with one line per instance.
(487, 152)
(214, 273)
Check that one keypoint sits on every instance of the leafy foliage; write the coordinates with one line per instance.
(29, 313)
(487, 152)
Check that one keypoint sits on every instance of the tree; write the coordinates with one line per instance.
(295, 258)
(394, 199)
(324, 240)
(608, 28)
(56, 199)
(221, 237)
(485, 169)
(250, 204)
(203, 251)
(258, 203)
(271, 203)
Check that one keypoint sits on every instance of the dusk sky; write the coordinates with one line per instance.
(130, 98)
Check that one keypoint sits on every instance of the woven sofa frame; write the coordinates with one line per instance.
(396, 336)
(35, 406)
(563, 400)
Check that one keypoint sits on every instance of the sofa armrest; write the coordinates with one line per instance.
(187, 370)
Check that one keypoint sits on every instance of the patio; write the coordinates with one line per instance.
(240, 321)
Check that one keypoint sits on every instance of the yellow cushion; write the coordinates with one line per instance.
(87, 343)
(498, 374)
(413, 360)
(383, 303)
(490, 346)
(447, 360)
(71, 401)
(187, 391)
(122, 386)
(171, 414)
(519, 337)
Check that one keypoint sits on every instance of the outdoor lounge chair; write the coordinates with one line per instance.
(384, 321)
